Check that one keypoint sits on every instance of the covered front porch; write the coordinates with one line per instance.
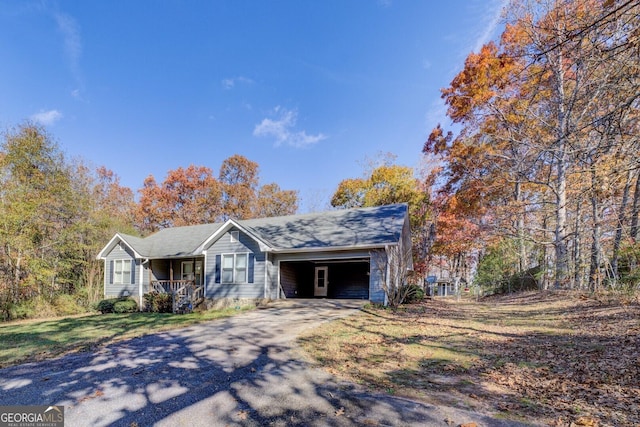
(182, 278)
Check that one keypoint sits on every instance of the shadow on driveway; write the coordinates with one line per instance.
(245, 370)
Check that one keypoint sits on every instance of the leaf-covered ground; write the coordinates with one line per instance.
(547, 358)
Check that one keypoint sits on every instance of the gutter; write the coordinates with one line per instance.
(334, 248)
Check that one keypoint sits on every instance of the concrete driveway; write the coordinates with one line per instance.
(246, 370)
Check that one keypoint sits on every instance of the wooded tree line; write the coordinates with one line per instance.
(57, 213)
(540, 177)
(542, 172)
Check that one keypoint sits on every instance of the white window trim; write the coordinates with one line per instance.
(235, 268)
(120, 281)
(235, 236)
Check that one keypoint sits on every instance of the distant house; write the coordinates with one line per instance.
(323, 255)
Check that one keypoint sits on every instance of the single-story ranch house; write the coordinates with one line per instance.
(335, 254)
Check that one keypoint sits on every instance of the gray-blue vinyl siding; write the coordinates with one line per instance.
(120, 252)
(224, 245)
(377, 276)
(145, 276)
(272, 286)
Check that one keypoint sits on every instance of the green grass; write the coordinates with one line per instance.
(37, 340)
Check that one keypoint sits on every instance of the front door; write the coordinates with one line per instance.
(320, 282)
(187, 270)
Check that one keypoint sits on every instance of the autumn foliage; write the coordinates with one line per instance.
(388, 183)
(56, 215)
(194, 196)
(545, 153)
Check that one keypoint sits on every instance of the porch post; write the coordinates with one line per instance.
(140, 292)
(170, 272)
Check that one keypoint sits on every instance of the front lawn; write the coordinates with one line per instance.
(554, 358)
(33, 340)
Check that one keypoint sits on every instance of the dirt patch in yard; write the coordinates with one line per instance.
(551, 358)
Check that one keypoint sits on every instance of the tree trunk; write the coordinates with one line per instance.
(522, 249)
(562, 164)
(577, 241)
(560, 240)
(595, 275)
(622, 219)
(544, 280)
(635, 209)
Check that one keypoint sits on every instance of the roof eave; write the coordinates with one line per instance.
(109, 247)
(264, 246)
(334, 248)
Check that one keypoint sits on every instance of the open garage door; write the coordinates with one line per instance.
(339, 279)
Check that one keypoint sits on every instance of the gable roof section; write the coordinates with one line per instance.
(178, 241)
(117, 239)
(360, 227)
(167, 243)
(228, 225)
(340, 229)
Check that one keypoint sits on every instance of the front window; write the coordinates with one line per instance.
(234, 268)
(122, 271)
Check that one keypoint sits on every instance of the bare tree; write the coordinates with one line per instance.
(394, 266)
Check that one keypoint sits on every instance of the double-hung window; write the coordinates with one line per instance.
(122, 271)
(234, 268)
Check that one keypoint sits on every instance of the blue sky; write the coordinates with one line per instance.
(307, 89)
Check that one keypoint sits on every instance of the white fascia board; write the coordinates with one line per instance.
(109, 246)
(176, 257)
(333, 248)
(264, 247)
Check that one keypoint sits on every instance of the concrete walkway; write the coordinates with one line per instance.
(241, 371)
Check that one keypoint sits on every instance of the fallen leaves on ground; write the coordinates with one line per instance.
(559, 358)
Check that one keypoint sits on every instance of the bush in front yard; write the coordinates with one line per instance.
(158, 303)
(126, 305)
(109, 305)
(106, 305)
(414, 293)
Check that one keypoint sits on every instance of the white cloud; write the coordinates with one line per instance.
(47, 118)
(283, 130)
(72, 46)
(231, 82)
(491, 18)
(71, 33)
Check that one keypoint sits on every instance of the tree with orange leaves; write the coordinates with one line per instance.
(549, 120)
(193, 195)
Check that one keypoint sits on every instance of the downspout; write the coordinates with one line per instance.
(387, 273)
(266, 275)
(204, 276)
(104, 282)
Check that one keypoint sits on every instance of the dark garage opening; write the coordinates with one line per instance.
(347, 279)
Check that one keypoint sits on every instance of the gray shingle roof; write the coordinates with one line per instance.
(341, 228)
(348, 227)
(172, 242)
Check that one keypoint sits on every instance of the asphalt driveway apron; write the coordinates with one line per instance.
(245, 370)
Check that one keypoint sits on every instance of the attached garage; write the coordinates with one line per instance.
(340, 279)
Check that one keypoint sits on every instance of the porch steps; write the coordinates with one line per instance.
(186, 296)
